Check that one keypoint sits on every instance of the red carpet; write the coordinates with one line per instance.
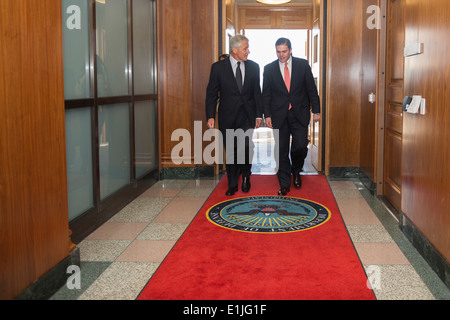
(210, 262)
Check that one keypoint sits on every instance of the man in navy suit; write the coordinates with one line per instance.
(237, 81)
(290, 95)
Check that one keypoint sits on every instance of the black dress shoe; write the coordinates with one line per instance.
(283, 191)
(231, 191)
(246, 185)
(297, 180)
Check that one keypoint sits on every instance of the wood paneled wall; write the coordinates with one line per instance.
(426, 152)
(253, 16)
(344, 51)
(34, 234)
(187, 46)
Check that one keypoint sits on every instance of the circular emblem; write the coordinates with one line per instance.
(268, 214)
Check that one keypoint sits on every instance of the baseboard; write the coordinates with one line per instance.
(434, 259)
(187, 173)
(343, 172)
(47, 285)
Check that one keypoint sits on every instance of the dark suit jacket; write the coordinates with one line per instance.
(232, 104)
(303, 95)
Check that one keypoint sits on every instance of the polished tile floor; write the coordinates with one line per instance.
(119, 258)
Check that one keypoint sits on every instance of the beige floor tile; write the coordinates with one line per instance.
(161, 192)
(380, 253)
(180, 210)
(211, 184)
(196, 192)
(171, 184)
(118, 231)
(146, 251)
(347, 193)
(357, 212)
(342, 185)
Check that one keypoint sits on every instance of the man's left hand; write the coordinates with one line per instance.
(316, 117)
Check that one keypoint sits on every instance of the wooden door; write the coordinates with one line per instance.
(394, 98)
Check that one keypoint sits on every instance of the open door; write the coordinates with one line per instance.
(316, 66)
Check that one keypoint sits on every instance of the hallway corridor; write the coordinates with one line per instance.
(118, 259)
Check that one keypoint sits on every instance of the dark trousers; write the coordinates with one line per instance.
(241, 154)
(291, 155)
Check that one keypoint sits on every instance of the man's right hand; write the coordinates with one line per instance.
(210, 123)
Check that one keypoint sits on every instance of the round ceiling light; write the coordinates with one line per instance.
(273, 1)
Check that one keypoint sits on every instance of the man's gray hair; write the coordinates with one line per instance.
(236, 41)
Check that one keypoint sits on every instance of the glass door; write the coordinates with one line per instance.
(111, 106)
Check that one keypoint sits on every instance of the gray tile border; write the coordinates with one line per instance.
(142, 209)
(121, 281)
(369, 234)
(102, 250)
(397, 282)
(163, 231)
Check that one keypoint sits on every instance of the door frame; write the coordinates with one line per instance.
(381, 98)
(320, 68)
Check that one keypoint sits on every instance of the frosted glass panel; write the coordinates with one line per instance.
(144, 72)
(76, 49)
(145, 135)
(79, 161)
(112, 48)
(114, 140)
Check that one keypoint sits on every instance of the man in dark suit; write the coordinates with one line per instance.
(289, 95)
(237, 80)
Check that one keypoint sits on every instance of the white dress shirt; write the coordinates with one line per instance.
(234, 66)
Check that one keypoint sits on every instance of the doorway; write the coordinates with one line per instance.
(262, 44)
(262, 51)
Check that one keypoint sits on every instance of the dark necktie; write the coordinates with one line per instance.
(239, 76)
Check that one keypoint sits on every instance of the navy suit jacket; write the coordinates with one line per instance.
(234, 104)
(303, 95)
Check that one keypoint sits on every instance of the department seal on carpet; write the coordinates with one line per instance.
(268, 214)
